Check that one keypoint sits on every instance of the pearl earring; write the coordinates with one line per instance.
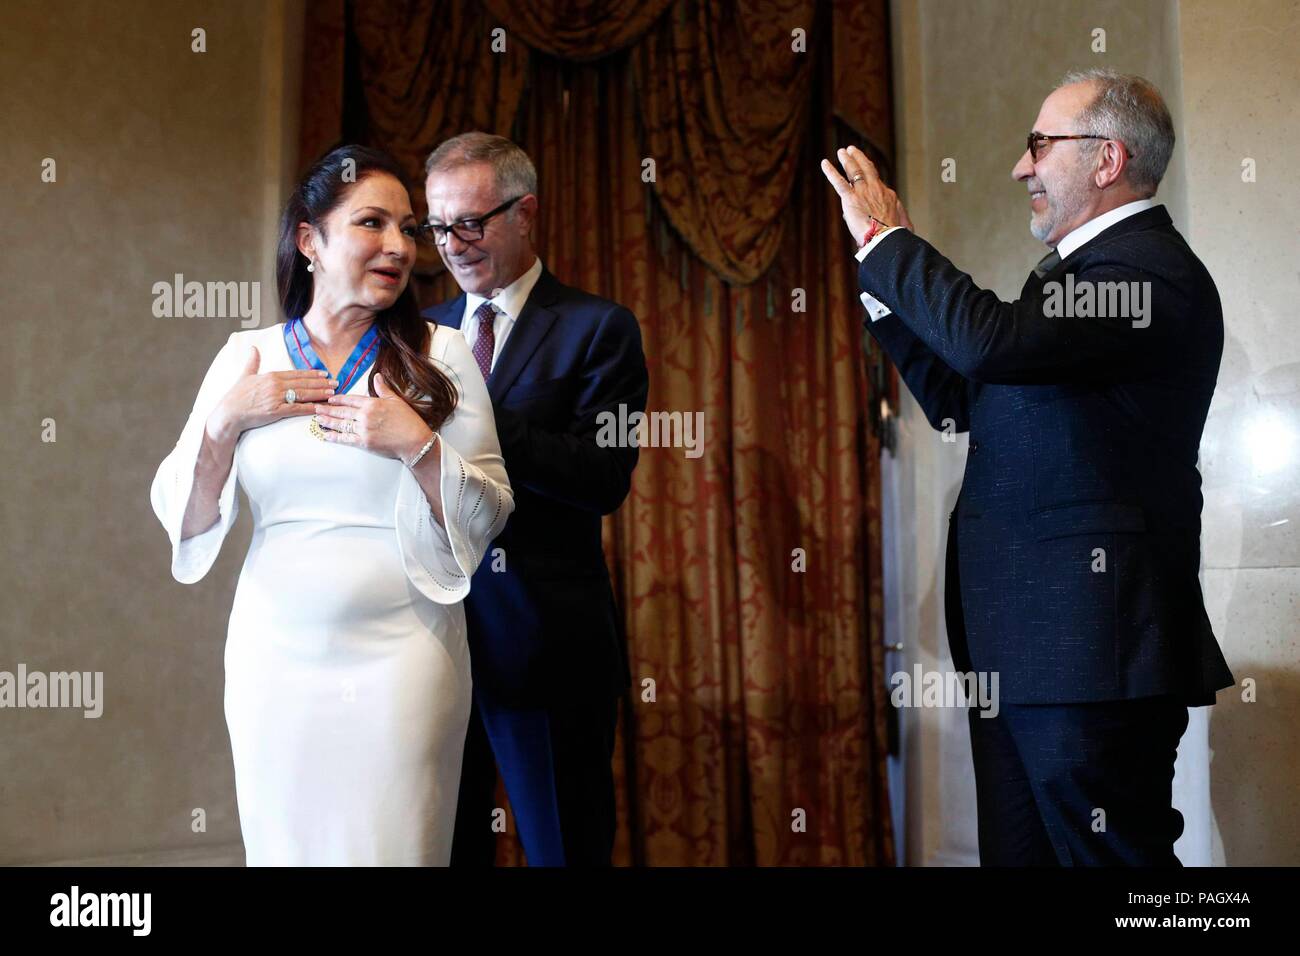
(311, 266)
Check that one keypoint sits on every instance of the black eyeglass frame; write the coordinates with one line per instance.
(1034, 141)
(439, 231)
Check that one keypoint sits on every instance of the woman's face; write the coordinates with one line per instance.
(364, 258)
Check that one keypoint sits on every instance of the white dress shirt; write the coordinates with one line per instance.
(507, 303)
(875, 308)
(1071, 242)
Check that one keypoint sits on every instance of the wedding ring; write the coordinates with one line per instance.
(290, 396)
(350, 426)
(855, 179)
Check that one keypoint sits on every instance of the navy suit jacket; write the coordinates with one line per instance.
(547, 627)
(1077, 529)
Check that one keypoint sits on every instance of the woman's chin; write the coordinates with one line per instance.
(381, 300)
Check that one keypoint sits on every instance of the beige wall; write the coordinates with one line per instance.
(168, 161)
(970, 77)
(171, 161)
(1241, 82)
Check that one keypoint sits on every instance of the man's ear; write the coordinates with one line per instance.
(527, 207)
(1112, 160)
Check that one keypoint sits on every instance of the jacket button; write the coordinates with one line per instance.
(974, 446)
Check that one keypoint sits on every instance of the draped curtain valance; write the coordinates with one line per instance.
(722, 93)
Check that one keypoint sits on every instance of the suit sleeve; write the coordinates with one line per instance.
(570, 466)
(987, 340)
(943, 394)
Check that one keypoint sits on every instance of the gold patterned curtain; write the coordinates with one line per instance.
(405, 75)
(765, 742)
(861, 68)
(723, 94)
(577, 30)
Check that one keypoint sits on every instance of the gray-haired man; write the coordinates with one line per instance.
(545, 633)
(1074, 548)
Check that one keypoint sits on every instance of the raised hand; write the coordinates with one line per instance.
(903, 219)
(863, 195)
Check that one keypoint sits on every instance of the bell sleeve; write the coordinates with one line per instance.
(192, 557)
(438, 558)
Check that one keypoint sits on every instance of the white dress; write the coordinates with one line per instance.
(347, 670)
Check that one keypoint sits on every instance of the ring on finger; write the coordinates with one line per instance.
(290, 397)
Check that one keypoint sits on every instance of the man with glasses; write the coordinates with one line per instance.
(546, 643)
(1074, 547)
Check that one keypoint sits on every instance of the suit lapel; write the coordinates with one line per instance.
(532, 325)
(1157, 217)
(448, 314)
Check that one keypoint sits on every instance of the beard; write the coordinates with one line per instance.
(1064, 204)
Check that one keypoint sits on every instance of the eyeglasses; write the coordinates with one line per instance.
(1036, 141)
(466, 230)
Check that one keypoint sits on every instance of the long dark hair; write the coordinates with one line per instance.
(403, 357)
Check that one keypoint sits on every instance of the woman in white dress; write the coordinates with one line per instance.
(364, 441)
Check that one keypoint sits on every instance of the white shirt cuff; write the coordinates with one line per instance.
(875, 308)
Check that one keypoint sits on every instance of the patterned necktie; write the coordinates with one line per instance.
(1047, 263)
(486, 340)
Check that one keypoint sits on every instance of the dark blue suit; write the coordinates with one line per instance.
(546, 642)
(1074, 548)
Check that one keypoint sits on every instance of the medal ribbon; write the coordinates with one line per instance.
(303, 356)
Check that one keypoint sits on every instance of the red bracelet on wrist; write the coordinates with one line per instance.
(875, 228)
